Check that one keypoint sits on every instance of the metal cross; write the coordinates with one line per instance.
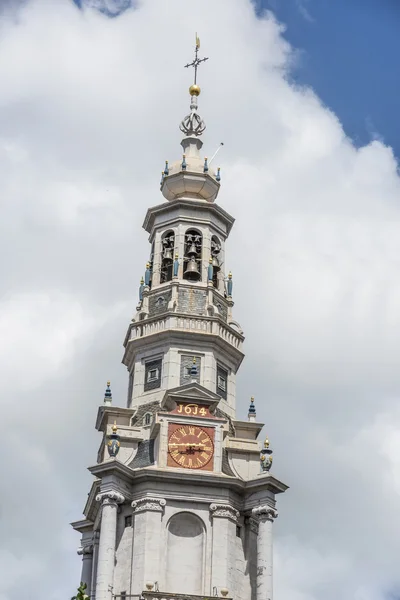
(197, 60)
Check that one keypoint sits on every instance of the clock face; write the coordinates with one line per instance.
(190, 447)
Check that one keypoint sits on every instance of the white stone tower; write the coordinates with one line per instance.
(183, 499)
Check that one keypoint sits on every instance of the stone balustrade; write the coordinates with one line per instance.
(175, 321)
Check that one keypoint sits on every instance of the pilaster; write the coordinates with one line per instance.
(108, 531)
(265, 516)
(224, 522)
(148, 513)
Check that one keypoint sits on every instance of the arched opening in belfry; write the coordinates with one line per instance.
(193, 254)
(185, 557)
(167, 256)
(216, 259)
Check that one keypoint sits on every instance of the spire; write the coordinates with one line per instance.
(252, 410)
(108, 395)
(192, 176)
(193, 124)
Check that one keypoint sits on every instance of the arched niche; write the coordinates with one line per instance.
(193, 255)
(185, 554)
(167, 255)
(216, 259)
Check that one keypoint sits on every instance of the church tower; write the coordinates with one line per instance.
(183, 498)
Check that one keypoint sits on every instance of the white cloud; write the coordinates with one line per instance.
(89, 111)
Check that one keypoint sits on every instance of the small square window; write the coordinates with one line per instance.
(221, 383)
(128, 521)
(152, 375)
(152, 379)
(147, 419)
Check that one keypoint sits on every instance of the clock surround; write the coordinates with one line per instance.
(190, 446)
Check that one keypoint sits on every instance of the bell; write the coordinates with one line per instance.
(192, 271)
(168, 255)
(192, 250)
(215, 264)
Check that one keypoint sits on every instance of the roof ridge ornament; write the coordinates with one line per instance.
(193, 124)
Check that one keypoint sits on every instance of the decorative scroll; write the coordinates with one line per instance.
(85, 550)
(225, 511)
(112, 498)
(149, 503)
(265, 513)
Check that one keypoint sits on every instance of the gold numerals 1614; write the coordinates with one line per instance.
(191, 409)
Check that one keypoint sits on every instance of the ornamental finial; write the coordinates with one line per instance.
(193, 368)
(108, 394)
(266, 457)
(193, 124)
(113, 444)
(252, 410)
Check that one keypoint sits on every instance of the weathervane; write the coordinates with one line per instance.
(195, 63)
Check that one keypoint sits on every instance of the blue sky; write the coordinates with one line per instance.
(348, 54)
(350, 51)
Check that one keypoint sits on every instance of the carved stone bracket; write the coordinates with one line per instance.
(149, 503)
(264, 513)
(225, 511)
(85, 551)
(112, 498)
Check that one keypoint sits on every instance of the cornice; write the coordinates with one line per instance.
(187, 203)
(114, 411)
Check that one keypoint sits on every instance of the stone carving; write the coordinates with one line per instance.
(110, 498)
(225, 511)
(85, 550)
(265, 513)
(149, 503)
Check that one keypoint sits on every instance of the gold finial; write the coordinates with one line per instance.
(194, 90)
(148, 265)
(230, 275)
(211, 259)
(108, 383)
(266, 443)
(194, 360)
(114, 427)
(176, 255)
(197, 41)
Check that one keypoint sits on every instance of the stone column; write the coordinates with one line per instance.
(147, 550)
(265, 515)
(223, 567)
(86, 551)
(108, 532)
